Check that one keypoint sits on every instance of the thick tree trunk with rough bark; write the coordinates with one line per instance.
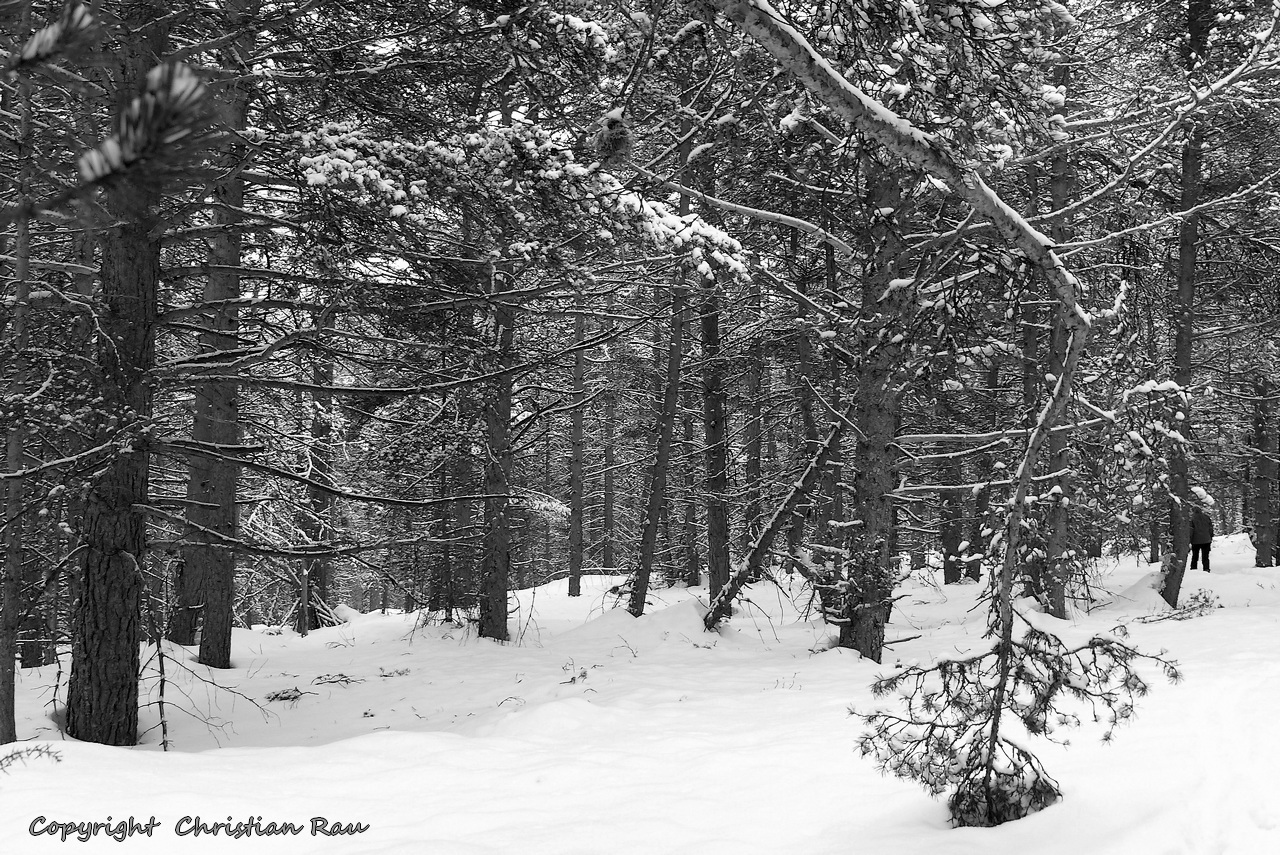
(102, 692)
(102, 695)
(876, 404)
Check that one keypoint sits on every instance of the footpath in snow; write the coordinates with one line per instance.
(596, 732)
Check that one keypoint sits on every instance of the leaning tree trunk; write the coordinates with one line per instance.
(666, 417)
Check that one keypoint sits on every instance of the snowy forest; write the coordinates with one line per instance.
(329, 321)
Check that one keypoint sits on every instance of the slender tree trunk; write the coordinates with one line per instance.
(316, 521)
(1058, 561)
(691, 537)
(206, 583)
(657, 486)
(982, 498)
(801, 380)
(752, 430)
(1264, 472)
(715, 420)
(577, 449)
(11, 600)
(495, 563)
(608, 489)
(1200, 18)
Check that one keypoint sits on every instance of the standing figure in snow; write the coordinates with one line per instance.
(1201, 537)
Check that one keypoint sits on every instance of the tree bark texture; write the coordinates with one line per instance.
(577, 451)
(715, 421)
(495, 561)
(1200, 18)
(666, 417)
(206, 583)
(102, 696)
(1264, 472)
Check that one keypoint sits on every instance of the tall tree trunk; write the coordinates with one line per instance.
(495, 562)
(753, 429)
(577, 449)
(608, 492)
(102, 692)
(802, 380)
(982, 498)
(206, 583)
(876, 403)
(1200, 18)
(11, 601)
(690, 537)
(715, 421)
(1058, 560)
(1264, 472)
(657, 487)
(316, 521)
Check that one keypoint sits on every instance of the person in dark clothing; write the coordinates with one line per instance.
(1201, 537)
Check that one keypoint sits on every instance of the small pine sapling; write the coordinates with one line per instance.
(967, 723)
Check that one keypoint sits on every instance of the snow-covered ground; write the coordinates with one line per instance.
(600, 733)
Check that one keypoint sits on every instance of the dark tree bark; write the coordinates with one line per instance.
(608, 490)
(1058, 564)
(657, 482)
(753, 428)
(206, 583)
(102, 696)
(11, 600)
(876, 403)
(576, 452)
(316, 520)
(715, 421)
(495, 562)
(1264, 472)
(1200, 18)
(102, 693)
(690, 537)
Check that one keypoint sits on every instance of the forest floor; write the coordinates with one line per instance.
(596, 732)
